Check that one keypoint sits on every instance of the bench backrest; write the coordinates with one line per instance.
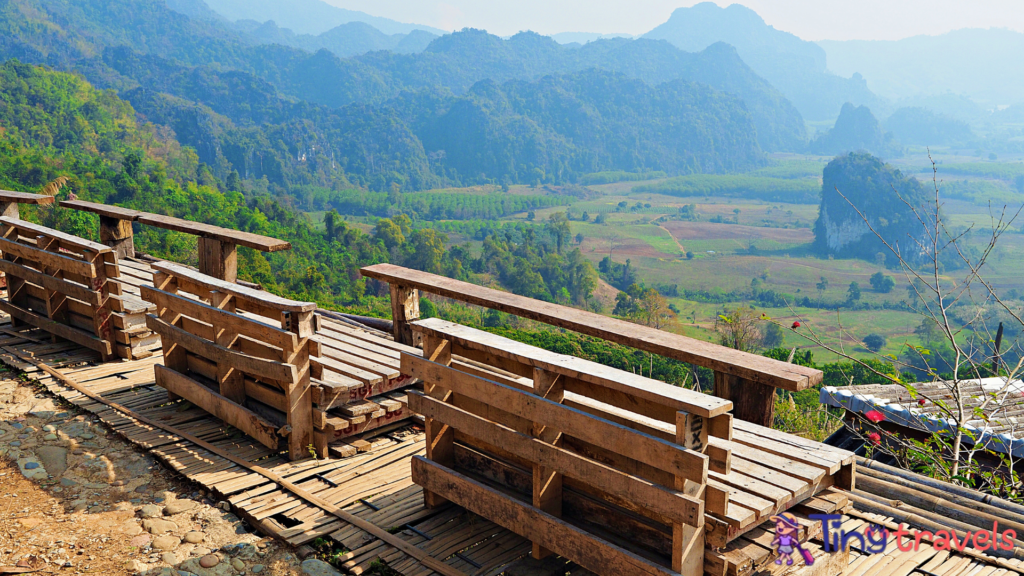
(59, 282)
(252, 370)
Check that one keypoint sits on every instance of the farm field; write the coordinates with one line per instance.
(721, 244)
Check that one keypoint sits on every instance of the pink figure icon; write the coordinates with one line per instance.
(786, 540)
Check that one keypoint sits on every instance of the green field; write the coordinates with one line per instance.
(733, 239)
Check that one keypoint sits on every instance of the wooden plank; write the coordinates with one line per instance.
(247, 239)
(66, 263)
(322, 364)
(34, 230)
(25, 198)
(67, 332)
(719, 358)
(217, 405)
(281, 338)
(673, 398)
(260, 367)
(237, 290)
(49, 282)
(562, 538)
(368, 424)
(658, 499)
(108, 210)
(653, 451)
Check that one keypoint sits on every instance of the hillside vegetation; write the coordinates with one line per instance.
(298, 118)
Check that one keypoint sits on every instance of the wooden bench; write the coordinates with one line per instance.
(64, 285)
(481, 426)
(562, 450)
(748, 380)
(252, 371)
(217, 246)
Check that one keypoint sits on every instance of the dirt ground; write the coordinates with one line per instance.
(77, 499)
(683, 230)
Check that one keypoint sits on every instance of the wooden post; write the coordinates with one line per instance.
(218, 259)
(547, 484)
(751, 401)
(56, 303)
(405, 308)
(687, 541)
(10, 210)
(175, 358)
(16, 293)
(231, 382)
(298, 394)
(118, 234)
(440, 437)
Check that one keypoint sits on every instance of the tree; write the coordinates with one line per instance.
(531, 215)
(558, 227)
(874, 342)
(579, 238)
(689, 255)
(428, 250)
(822, 286)
(740, 329)
(853, 292)
(600, 219)
(389, 233)
(331, 219)
(881, 283)
(772, 335)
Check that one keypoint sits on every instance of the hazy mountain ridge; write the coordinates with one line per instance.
(236, 119)
(855, 130)
(982, 64)
(795, 67)
(309, 16)
(345, 40)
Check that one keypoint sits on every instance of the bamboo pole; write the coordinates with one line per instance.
(942, 506)
(922, 519)
(945, 488)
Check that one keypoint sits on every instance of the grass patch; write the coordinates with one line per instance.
(793, 191)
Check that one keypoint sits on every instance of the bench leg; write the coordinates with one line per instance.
(751, 401)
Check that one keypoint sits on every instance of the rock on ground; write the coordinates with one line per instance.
(314, 567)
(68, 479)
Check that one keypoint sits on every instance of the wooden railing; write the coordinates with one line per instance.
(748, 380)
(59, 283)
(586, 470)
(218, 256)
(251, 370)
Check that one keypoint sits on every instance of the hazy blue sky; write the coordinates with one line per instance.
(808, 19)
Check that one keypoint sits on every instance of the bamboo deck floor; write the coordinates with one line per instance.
(375, 485)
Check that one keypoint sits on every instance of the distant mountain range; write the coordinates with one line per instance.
(345, 40)
(308, 16)
(584, 37)
(795, 67)
(471, 108)
(982, 64)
